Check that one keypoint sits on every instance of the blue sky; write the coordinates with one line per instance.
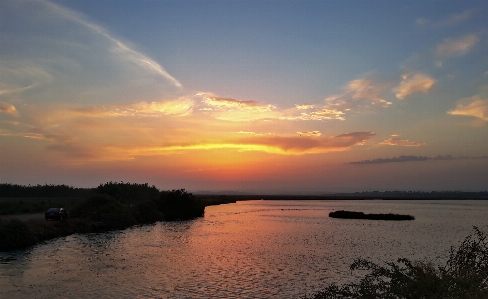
(280, 96)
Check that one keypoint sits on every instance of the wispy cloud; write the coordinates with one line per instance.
(474, 106)
(236, 104)
(21, 76)
(283, 145)
(310, 144)
(366, 89)
(120, 47)
(414, 159)
(397, 141)
(178, 107)
(8, 109)
(455, 18)
(318, 114)
(447, 21)
(413, 83)
(238, 110)
(457, 46)
(304, 106)
(359, 92)
(309, 133)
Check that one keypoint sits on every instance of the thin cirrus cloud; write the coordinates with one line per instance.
(451, 47)
(178, 107)
(57, 55)
(447, 21)
(119, 47)
(413, 83)
(456, 18)
(474, 106)
(21, 76)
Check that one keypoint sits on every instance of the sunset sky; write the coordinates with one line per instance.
(254, 96)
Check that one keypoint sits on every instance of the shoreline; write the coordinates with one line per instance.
(19, 231)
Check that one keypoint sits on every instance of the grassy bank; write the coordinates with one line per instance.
(361, 215)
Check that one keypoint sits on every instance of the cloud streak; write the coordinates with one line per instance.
(456, 47)
(413, 83)
(396, 141)
(178, 107)
(237, 110)
(474, 106)
(120, 47)
(282, 145)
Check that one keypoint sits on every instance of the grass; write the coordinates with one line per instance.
(361, 215)
(464, 276)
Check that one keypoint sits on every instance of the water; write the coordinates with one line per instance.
(252, 249)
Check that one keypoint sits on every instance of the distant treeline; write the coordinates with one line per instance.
(413, 195)
(14, 190)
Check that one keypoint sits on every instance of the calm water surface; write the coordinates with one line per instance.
(251, 249)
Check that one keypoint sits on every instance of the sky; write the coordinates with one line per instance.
(296, 97)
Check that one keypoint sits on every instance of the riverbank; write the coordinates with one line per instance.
(24, 230)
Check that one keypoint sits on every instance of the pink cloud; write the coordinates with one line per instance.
(413, 83)
(473, 106)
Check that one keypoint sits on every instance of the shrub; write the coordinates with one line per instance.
(15, 234)
(105, 209)
(465, 276)
(179, 205)
(129, 193)
(146, 212)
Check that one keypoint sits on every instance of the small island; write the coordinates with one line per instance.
(361, 215)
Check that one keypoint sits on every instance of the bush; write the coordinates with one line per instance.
(465, 276)
(146, 212)
(129, 193)
(105, 209)
(15, 234)
(179, 205)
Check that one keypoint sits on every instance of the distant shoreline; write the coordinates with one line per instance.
(345, 197)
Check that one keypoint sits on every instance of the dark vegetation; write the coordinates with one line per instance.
(109, 206)
(39, 191)
(361, 215)
(18, 199)
(464, 276)
(11, 206)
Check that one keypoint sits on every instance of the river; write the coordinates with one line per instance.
(250, 249)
